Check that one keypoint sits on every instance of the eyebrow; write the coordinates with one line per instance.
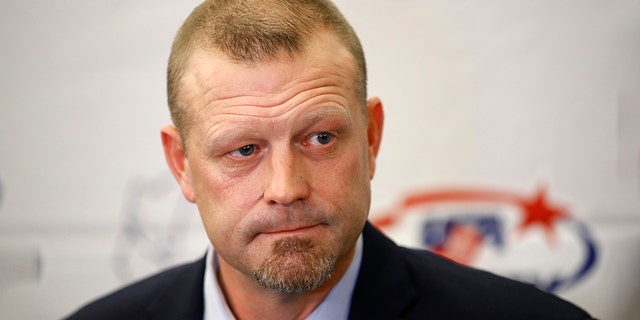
(237, 131)
(246, 130)
(327, 112)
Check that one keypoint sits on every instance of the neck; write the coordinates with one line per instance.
(248, 300)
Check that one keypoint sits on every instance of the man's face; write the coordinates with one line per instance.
(279, 161)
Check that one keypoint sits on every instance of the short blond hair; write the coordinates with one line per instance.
(255, 31)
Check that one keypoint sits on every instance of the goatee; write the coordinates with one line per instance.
(296, 265)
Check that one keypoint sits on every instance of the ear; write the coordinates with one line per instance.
(375, 116)
(177, 160)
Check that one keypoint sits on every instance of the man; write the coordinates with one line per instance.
(276, 144)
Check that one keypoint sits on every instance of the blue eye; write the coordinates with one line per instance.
(322, 138)
(246, 150)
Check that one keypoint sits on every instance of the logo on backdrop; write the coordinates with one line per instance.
(531, 238)
(157, 225)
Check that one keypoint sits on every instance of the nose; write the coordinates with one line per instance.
(287, 180)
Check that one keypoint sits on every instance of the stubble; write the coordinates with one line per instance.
(296, 265)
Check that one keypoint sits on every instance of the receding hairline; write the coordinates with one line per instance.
(321, 45)
(254, 47)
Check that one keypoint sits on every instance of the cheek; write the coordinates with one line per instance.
(222, 204)
(356, 166)
(346, 182)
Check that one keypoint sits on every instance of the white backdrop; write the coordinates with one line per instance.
(497, 99)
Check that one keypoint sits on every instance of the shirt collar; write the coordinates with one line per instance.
(215, 306)
(335, 306)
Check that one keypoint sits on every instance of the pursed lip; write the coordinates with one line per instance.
(293, 230)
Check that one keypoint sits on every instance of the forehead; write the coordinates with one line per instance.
(211, 77)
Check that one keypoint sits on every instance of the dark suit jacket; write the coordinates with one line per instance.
(393, 283)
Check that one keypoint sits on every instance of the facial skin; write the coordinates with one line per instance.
(279, 154)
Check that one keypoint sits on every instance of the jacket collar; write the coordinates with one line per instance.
(384, 289)
(183, 297)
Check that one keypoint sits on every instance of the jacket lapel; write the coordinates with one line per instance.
(183, 298)
(384, 289)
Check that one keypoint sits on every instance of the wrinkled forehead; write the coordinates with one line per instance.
(211, 75)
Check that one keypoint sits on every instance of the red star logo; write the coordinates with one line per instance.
(538, 211)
